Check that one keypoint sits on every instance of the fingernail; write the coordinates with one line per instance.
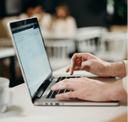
(57, 96)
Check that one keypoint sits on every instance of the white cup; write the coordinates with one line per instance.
(6, 94)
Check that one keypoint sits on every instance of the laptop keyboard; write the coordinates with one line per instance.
(52, 94)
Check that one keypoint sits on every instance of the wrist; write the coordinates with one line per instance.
(117, 69)
(115, 91)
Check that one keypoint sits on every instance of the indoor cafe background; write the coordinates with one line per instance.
(101, 29)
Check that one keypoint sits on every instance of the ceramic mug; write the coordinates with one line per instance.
(6, 94)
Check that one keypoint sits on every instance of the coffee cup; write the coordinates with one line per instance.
(6, 94)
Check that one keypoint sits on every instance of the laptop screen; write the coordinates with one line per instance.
(31, 52)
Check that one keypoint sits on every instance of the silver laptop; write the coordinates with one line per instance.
(30, 50)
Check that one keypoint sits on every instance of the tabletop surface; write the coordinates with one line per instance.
(23, 109)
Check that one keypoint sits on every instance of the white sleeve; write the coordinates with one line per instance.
(125, 79)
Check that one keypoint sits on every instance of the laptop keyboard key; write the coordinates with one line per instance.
(67, 90)
(70, 77)
(63, 78)
(58, 79)
(49, 94)
(78, 76)
(54, 94)
(61, 91)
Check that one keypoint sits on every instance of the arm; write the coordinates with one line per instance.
(89, 89)
(116, 91)
(90, 63)
(117, 69)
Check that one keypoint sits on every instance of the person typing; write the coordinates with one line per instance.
(89, 89)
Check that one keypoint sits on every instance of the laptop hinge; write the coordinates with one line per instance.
(51, 78)
(43, 88)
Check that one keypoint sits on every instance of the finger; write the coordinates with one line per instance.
(66, 95)
(86, 65)
(78, 63)
(77, 80)
(77, 68)
(72, 67)
(67, 70)
(88, 56)
(73, 61)
(65, 84)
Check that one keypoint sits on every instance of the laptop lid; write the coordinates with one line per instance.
(31, 53)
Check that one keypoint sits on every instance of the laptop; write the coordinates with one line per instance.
(35, 67)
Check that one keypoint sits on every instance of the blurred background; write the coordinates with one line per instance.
(68, 26)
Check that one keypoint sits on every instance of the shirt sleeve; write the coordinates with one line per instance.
(125, 79)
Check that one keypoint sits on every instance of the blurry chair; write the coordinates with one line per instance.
(58, 51)
(5, 39)
(87, 38)
(113, 46)
(6, 47)
(4, 33)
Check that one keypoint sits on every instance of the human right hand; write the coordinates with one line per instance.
(90, 63)
(89, 89)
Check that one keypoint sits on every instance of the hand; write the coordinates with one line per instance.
(90, 63)
(82, 88)
(89, 89)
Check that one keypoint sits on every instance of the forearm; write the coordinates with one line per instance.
(115, 91)
(117, 69)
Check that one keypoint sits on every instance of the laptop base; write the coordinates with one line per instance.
(72, 102)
